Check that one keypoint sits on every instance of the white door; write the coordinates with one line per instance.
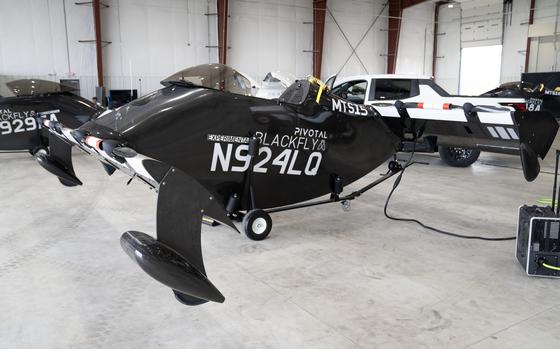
(480, 69)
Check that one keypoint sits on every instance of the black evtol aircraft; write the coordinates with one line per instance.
(210, 149)
(23, 100)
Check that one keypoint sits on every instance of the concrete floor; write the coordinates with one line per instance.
(324, 279)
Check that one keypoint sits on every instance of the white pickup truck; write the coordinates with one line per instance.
(387, 88)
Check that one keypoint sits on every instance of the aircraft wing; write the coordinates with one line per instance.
(175, 257)
(488, 128)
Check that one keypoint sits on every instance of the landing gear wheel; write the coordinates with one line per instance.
(458, 157)
(37, 149)
(257, 224)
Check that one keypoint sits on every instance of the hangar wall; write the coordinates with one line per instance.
(270, 36)
(515, 41)
(448, 54)
(151, 39)
(473, 23)
(416, 40)
(543, 56)
(35, 43)
(479, 23)
(277, 35)
(545, 45)
(359, 25)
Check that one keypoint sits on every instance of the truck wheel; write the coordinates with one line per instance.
(458, 157)
(257, 224)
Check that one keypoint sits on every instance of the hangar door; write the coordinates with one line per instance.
(481, 46)
(481, 23)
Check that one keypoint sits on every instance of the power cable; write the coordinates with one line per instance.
(425, 226)
(548, 266)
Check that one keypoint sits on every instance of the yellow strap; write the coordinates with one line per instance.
(550, 266)
(314, 80)
(321, 84)
(320, 93)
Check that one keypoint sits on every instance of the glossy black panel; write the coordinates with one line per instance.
(529, 162)
(537, 130)
(57, 169)
(303, 143)
(156, 169)
(187, 127)
(19, 127)
(168, 267)
(59, 161)
(188, 300)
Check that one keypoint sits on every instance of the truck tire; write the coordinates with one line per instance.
(458, 157)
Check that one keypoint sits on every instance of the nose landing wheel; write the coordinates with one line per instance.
(257, 225)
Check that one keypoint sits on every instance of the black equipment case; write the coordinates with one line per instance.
(538, 236)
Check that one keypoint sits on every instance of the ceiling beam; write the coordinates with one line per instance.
(223, 10)
(319, 12)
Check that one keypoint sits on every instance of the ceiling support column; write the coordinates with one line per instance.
(223, 9)
(98, 41)
(436, 20)
(395, 14)
(528, 49)
(319, 12)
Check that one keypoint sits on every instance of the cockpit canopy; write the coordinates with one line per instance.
(34, 87)
(215, 76)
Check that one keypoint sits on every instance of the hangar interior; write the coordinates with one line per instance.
(146, 41)
(326, 277)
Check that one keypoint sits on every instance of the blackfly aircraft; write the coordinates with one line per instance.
(211, 150)
(538, 97)
(21, 101)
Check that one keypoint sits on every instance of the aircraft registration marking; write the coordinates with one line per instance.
(277, 152)
(349, 108)
(17, 122)
(227, 159)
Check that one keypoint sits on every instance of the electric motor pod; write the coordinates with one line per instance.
(257, 224)
(163, 263)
